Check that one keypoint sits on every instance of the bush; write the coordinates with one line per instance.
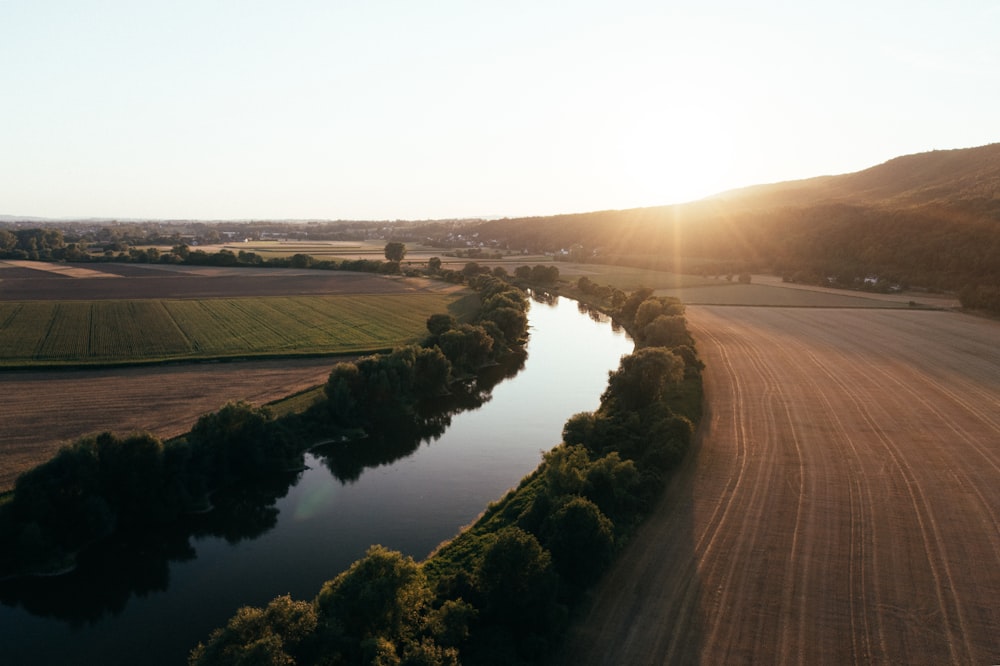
(581, 539)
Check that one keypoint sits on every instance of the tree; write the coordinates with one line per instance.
(516, 577)
(259, 636)
(434, 264)
(395, 251)
(133, 477)
(467, 347)
(300, 260)
(513, 323)
(666, 331)
(240, 440)
(544, 274)
(579, 429)
(439, 323)
(431, 370)
(648, 310)
(630, 305)
(581, 539)
(7, 240)
(642, 377)
(341, 394)
(383, 594)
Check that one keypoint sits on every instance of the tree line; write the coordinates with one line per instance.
(50, 245)
(502, 591)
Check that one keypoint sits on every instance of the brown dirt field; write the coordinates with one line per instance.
(842, 505)
(197, 282)
(163, 400)
(60, 269)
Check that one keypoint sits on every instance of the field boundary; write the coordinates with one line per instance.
(42, 366)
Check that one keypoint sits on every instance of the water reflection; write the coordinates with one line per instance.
(593, 313)
(347, 461)
(539, 296)
(108, 574)
(137, 563)
(597, 315)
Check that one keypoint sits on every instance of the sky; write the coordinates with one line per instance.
(385, 110)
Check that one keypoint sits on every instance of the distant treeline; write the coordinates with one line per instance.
(49, 245)
(502, 591)
(106, 483)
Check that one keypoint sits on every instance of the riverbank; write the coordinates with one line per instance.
(502, 590)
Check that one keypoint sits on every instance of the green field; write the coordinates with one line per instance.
(40, 333)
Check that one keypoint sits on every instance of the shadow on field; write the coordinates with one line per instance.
(649, 607)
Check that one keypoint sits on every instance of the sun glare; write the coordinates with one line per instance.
(672, 154)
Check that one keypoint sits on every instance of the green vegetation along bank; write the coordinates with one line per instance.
(503, 591)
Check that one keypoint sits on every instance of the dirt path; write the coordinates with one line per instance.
(843, 505)
(164, 400)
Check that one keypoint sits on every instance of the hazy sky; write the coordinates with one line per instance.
(454, 108)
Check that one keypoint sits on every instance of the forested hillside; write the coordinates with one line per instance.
(927, 220)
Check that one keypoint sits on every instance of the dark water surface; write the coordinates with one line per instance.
(149, 599)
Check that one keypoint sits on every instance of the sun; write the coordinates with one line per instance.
(672, 155)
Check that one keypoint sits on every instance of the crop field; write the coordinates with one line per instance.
(53, 314)
(842, 505)
(88, 332)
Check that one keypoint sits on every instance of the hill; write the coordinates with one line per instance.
(928, 220)
(961, 179)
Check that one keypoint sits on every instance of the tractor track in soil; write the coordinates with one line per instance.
(841, 505)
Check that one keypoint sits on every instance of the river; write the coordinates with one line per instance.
(150, 598)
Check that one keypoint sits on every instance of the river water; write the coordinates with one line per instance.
(150, 598)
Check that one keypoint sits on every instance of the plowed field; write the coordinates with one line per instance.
(842, 505)
(43, 410)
